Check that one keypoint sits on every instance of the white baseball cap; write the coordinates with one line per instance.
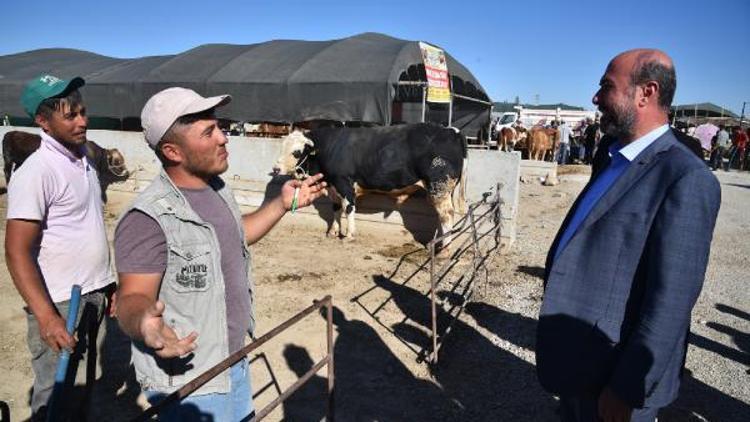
(165, 107)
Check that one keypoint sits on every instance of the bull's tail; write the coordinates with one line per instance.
(460, 203)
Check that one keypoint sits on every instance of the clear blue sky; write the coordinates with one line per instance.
(554, 49)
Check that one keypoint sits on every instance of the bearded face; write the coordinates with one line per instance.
(618, 117)
(616, 101)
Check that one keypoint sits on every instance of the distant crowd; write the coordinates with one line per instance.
(728, 148)
(578, 144)
(572, 145)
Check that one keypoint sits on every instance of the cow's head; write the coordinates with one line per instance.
(116, 164)
(296, 149)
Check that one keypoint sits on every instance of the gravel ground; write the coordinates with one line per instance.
(717, 383)
(486, 370)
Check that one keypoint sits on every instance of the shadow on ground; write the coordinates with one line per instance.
(537, 272)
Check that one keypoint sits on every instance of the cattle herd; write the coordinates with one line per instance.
(539, 141)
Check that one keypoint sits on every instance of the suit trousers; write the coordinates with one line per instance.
(585, 408)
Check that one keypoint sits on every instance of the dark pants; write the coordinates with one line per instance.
(736, 155)
(589, 153)
(44, 359)
(586, 409)
(718, 156)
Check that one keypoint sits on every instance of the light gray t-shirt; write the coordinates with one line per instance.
(722, 139)
(141, 247)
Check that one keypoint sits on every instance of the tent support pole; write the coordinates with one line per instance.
(476, 100)
(424, 102)
(450, 112)
(489, 127)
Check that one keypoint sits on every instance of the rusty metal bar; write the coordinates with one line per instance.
(470, 225)
(478, 253)
(467, 243)
(433, 357)
(273, 383)
(235, 357)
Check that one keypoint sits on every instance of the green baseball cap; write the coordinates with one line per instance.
(46, 86)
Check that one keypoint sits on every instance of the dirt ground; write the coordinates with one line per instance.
(381, 318)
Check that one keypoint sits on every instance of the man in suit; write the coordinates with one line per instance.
(628, 263)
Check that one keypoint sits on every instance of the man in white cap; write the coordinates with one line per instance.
(55, 237)
(183, 261)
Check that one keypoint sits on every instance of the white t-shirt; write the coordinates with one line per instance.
(63, 193)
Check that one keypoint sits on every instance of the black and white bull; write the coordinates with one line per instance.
(395, 160)
(109, 164)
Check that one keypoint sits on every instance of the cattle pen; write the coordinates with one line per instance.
(476, 234)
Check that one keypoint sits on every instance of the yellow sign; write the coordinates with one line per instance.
(436, 68)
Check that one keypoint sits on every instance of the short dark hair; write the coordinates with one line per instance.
(50, 105)
(649, 69)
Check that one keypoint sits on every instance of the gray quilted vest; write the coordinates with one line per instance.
(192, 289)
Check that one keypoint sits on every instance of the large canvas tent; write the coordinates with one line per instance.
(370, 77)
(700, 113)
(701, 110)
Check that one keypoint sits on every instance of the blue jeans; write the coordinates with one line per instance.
(562, 153)
(237, 405)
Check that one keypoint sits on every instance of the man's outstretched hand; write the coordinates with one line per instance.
(161, 337)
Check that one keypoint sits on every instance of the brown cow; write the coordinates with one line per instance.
(109, 164)
(507, 138)
(521, 136)
(540, 141)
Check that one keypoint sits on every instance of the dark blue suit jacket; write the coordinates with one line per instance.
(617, 300)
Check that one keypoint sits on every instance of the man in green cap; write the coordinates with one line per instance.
(55, 237)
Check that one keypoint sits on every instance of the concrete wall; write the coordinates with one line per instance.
(487, 168)
(251, 160)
